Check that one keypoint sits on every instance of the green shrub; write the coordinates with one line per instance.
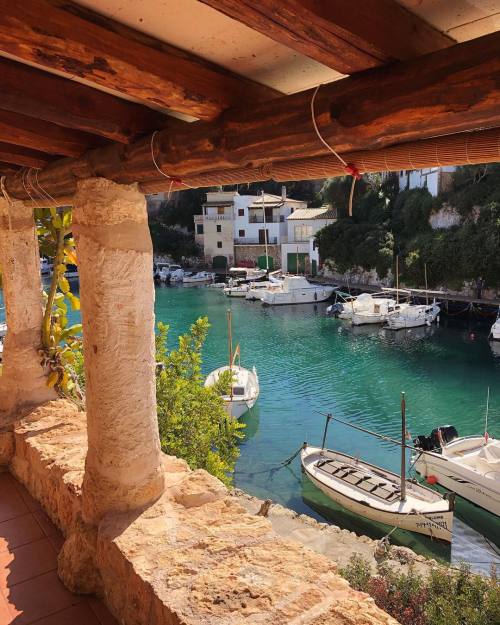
(446, 597)
(192, 419)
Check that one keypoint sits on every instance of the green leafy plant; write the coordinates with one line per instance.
(60, 341)
(192, 419)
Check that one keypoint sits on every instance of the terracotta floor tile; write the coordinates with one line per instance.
(11, 502)
(104, 616)
(57, 542)
(32, 503)
(75, 615)
(19, 531)
(38, 598)
(26, 562)
(48, 528)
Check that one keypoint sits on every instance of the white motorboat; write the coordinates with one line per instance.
(169, 272)
(247, 274)
(257, 289)
(296, 290)
(377, 310)
(3, 329)
(375, 493)
(236, 290)
(468, 465)
(413, 316)
(495, 329)
(244, 391)
(198, 277)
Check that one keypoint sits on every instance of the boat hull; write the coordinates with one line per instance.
(438, 525)
(298, 296)
(460, 480)
(434, 518)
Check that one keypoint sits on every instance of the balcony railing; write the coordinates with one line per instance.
(259, 219)
(256, 241)
(219, 217)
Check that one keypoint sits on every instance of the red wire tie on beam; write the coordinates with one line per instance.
(353, 171)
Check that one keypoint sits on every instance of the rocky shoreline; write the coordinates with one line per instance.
(339, 545)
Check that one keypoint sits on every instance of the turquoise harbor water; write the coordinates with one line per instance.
(308, 363)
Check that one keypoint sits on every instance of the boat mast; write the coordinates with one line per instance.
(397, 279)
(403, 447)
(230, 347)
(486, 416)
(265, 230)
(328, 417)
(426, 290)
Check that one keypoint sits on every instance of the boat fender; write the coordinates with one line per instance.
(315, 296)
(431, 479)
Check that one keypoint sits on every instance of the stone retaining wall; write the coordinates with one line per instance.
(196, 556)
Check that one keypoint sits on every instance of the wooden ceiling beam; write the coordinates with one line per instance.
(23, 157)
(33, 92)
(64, 37)
(33, 134)
(346, 35)
(453, 90)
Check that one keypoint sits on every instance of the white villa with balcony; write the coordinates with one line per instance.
(234, 228)
(299, 253)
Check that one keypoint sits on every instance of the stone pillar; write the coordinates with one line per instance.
(23, 384)
(123, 468)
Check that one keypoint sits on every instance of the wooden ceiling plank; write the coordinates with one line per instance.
(33, 92)
(38, 135)
(452, 90)
(23, 157)
(55, 36)
(346, 35)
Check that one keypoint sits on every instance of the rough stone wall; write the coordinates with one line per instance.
(445, 217)
(23, 382)
(195, 557)
(251, 253)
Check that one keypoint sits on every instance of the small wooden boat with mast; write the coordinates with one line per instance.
(244, 389)
(374, 492)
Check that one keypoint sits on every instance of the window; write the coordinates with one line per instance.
(199, 228)
(241, 212)
(241, 233)
(302, 232)
(219, 244)
(220, 210)
(219, 228)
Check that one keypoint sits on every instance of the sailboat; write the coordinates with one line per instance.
(378, 494)
(244, 390)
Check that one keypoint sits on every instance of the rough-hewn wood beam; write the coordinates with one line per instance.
(33, 92)
(22, 156)
(449, 91)
(39, 135)
(347, 35)
(61, 38)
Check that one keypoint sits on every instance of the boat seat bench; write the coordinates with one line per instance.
(366, 482)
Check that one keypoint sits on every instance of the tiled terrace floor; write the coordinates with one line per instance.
(30, 591)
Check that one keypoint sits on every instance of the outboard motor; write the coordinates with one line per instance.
(430, 443)
(335, 309)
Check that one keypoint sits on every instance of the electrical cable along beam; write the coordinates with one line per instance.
(452, 90)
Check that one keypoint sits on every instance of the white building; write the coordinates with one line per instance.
(434, 179)
(299, 253)
(233, 228)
